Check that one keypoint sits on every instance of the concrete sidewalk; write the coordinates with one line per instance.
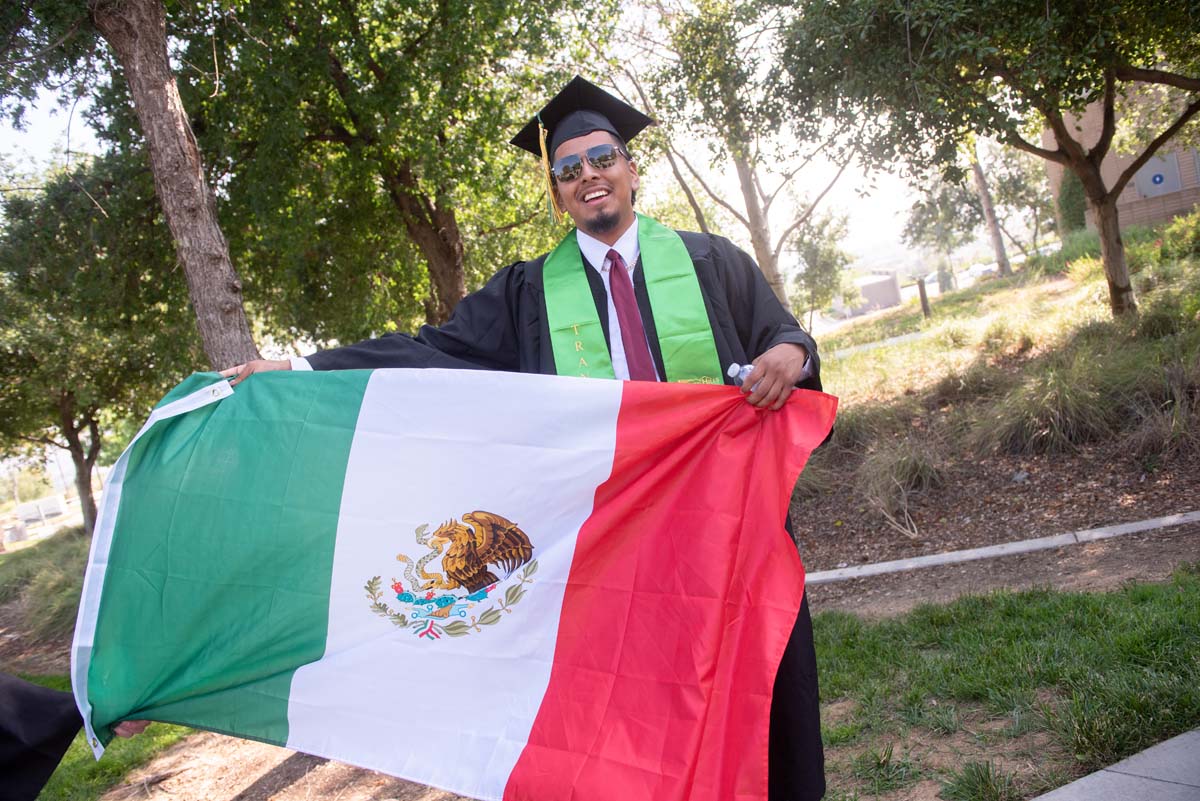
(1169, 771)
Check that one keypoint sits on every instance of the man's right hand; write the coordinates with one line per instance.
(241, 372)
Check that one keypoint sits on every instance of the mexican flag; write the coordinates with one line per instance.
(507, 586)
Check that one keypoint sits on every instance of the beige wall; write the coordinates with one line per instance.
(1132, 207)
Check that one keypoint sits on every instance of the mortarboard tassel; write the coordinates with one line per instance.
(556, 213)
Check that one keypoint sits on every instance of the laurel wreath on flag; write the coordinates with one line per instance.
(430, 629)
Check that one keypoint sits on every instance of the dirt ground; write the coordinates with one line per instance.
(996, 500)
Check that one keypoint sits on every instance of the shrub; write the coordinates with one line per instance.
(1141, 256)
(1161, 316)
(1181, 239)
(1160, 275)
(1085, 269)
(1079, 245)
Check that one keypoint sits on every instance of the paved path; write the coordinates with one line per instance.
(1169, 771)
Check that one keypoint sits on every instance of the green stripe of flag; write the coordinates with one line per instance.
(239, 587)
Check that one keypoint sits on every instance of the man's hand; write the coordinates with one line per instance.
(241, 372)
(774, 375)
(129, 728)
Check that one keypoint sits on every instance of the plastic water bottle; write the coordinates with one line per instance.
(739, 373)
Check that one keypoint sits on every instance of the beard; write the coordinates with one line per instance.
(602, 223)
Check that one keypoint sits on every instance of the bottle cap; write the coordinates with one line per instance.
(733, 370)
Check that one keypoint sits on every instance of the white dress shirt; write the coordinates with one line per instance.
(596, 252)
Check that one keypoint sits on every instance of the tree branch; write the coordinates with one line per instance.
(1069, 150)
(368, 57)
(1057, 156)
(1153, 147)
(94, 435)
(803, 218)
(43, 440)
(46, 50)
(516, 224)
(1109, 127)
(1126, 72)
(1012, 238)
(716, 198)
(790, 174)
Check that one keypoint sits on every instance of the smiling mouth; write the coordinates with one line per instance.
(595, 195)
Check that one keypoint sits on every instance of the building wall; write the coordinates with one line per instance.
(1133, 207)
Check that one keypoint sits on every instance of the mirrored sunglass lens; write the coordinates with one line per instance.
(568, 168)
(602, 156)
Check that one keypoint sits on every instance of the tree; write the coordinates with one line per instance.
(947, 216)
(1023, 196)
(925, 74)
(715, 83)
(362, 146)
(991, 221)
(91, 332)
(818, 244)
(45, 41)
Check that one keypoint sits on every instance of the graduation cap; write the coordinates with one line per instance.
(578, 109)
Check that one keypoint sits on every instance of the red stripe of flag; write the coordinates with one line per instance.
(683, 591)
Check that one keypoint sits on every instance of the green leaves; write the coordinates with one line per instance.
(97, 324)
(914, 78)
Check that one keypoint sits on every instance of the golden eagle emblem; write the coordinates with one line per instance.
(468, 555)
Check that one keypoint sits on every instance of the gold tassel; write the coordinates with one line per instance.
(556, 213)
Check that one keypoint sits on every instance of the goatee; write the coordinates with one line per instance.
(602, 223)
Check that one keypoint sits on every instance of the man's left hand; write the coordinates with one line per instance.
(774, 375)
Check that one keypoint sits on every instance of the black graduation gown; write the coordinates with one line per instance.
(503, 326)
(37, 726)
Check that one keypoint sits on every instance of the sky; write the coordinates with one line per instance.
(43, 142)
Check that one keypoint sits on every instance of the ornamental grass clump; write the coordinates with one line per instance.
(47, 578)
(977, 382)
(895, 471)
(1055, 411)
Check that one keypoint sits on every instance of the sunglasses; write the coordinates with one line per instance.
(601, 157)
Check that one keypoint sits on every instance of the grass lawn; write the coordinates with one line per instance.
(1007, 695)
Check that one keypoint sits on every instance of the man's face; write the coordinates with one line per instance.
(599, 201)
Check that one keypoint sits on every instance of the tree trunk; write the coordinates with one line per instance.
(989, 213)
(760, 234)
(921, 291)
(435, 231)
(1112, 251)
(83, 460)
(136, 32)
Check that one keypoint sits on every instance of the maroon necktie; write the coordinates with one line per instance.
(633, 335)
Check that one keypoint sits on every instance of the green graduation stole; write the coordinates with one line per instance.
(680, 319)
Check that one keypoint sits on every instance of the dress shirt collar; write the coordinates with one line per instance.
(595, 252)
